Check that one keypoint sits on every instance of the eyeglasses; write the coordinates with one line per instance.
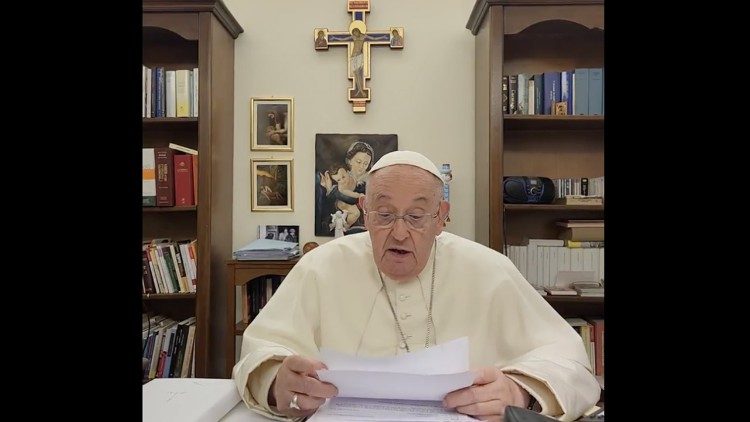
(386, 220)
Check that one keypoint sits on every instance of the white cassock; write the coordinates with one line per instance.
(334, 298)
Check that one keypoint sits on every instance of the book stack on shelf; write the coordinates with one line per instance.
(170, 176)
(168, 347)
(541, 261)
(582, 230)
(591, 331)
(581, 92)
(257, 293)
(169, 93)
(169, 266)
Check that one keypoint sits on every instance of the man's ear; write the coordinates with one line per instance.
(361, 202)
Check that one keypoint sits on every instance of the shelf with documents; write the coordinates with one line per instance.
(241, 273)
(552, 207)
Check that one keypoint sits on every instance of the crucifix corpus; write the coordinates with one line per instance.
(358, 41)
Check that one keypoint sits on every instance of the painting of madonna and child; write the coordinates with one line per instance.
(342, 162)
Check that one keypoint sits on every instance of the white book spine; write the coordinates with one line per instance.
(531, 264)
(601, 264)
(553, 252)
(522, 254)
(576, 259)
(540, 266)
(169, 77)
(149, 75)
(545, 266)
(563, 259)
(195, 92)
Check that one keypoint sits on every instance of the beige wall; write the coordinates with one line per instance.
(424, 93)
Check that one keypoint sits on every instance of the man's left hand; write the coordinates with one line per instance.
(487, 398)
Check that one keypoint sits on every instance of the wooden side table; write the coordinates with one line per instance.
(240, 273)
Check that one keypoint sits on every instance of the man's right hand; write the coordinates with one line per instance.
(297, 376)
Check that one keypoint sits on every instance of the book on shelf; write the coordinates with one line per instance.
(579, 200)
(149, 177)
(581, 230)
(584, 244)
(181, 148)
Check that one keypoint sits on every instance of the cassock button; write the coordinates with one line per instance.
(405, 315)
(403, 297)
(402, 345)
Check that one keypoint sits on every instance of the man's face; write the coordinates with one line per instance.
(400, 251)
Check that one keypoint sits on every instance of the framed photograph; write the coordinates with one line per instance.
(271, 185)
(283, 233)
(272, 124)
(342, 162)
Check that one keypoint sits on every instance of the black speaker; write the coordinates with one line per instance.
(528, 190)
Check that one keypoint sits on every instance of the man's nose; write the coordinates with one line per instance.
(400, 231)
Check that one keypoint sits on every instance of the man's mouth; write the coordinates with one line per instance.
(399, 251)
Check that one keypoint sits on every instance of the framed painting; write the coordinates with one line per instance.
(272, 124)
(271, 185)
(342, 162)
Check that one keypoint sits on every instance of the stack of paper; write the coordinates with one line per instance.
(188, 399)
(407, 387)
(267, 249)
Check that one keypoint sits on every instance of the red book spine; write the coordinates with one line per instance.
(183, 180)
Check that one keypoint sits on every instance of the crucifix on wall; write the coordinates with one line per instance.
(358, 41)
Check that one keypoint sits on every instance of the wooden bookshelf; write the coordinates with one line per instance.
(168, 296)
(528, 36)
(544, 122)
(241, 273)
(533, 37)
(170, 209)
(552, 207)
(187, 34)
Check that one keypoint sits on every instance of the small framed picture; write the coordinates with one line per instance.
(272, 124)
(271, 185)
(283, 233)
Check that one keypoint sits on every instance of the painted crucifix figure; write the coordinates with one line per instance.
(358, 41)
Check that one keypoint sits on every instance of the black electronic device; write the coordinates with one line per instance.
(528, 190)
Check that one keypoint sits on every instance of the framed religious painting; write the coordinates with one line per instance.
(272, 124)
(271, 185)
(342, 163)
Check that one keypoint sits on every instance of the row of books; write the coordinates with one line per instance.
(581, 89)
(540, 261)
(592, 335)
(579, 186)
(169, 347)
(257, 293)
(170, 93)
(170, 176)
(169, 266)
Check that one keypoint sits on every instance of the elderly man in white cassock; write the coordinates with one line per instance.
(403, 286)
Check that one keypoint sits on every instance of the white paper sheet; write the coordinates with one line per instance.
(446, 358)
(428, 374)
(342, 409)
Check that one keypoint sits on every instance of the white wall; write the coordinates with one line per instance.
(423, 93)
